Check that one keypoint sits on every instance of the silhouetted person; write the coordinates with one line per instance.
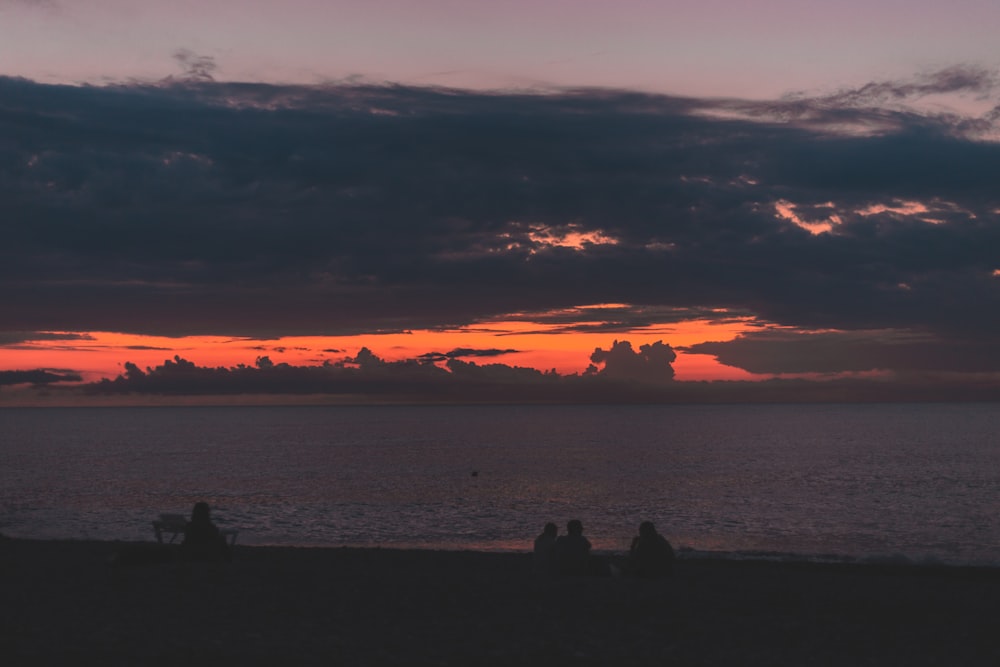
(543, 549)
(651, 555)
(202, 538)
(571, 552)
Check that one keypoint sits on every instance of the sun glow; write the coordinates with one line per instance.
(563, 347)
(786, 211)
(899, 208)
(826, 219)
(570, 236)
(537, 237)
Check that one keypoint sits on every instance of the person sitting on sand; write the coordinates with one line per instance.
(543, 549)
(571, 552)
(651, 555)
(202, 538)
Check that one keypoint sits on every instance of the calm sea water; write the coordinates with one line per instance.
(918, 482)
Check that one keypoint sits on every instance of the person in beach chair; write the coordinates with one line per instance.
(203, 541)
(651, 555)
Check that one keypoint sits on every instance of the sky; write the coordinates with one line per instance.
(545, 201)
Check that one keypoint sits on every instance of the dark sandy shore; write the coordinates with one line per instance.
(61, 604)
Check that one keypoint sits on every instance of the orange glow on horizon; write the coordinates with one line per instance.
(545, 347)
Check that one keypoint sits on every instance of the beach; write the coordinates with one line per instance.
(62, 603)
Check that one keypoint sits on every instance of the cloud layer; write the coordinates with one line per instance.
(197, 207)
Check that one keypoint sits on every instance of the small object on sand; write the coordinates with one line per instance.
(475, 473)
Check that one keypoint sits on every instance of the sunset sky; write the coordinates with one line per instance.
(788, 194)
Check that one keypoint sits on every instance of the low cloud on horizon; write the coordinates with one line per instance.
(617, 375)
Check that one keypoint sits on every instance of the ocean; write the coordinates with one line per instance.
(873, 482)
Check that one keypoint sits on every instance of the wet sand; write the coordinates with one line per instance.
(62, 604)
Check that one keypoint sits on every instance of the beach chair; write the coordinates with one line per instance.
(174, 524)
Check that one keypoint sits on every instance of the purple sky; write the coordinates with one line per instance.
(704, 47)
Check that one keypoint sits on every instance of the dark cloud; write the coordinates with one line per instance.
(459, 352)
(37, 377)
(977, 82)
(650, 365)
(366, 374)
(195, 67)
(15, 337)
(776, 352)
(368, 378)
(256, 210)
(619, 318)
(464, 352)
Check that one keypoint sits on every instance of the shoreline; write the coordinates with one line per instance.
(62, 603)
(795, 559)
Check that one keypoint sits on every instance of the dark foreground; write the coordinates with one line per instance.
(61, 604)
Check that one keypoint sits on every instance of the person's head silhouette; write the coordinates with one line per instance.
(200, 513)
(574, 527)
